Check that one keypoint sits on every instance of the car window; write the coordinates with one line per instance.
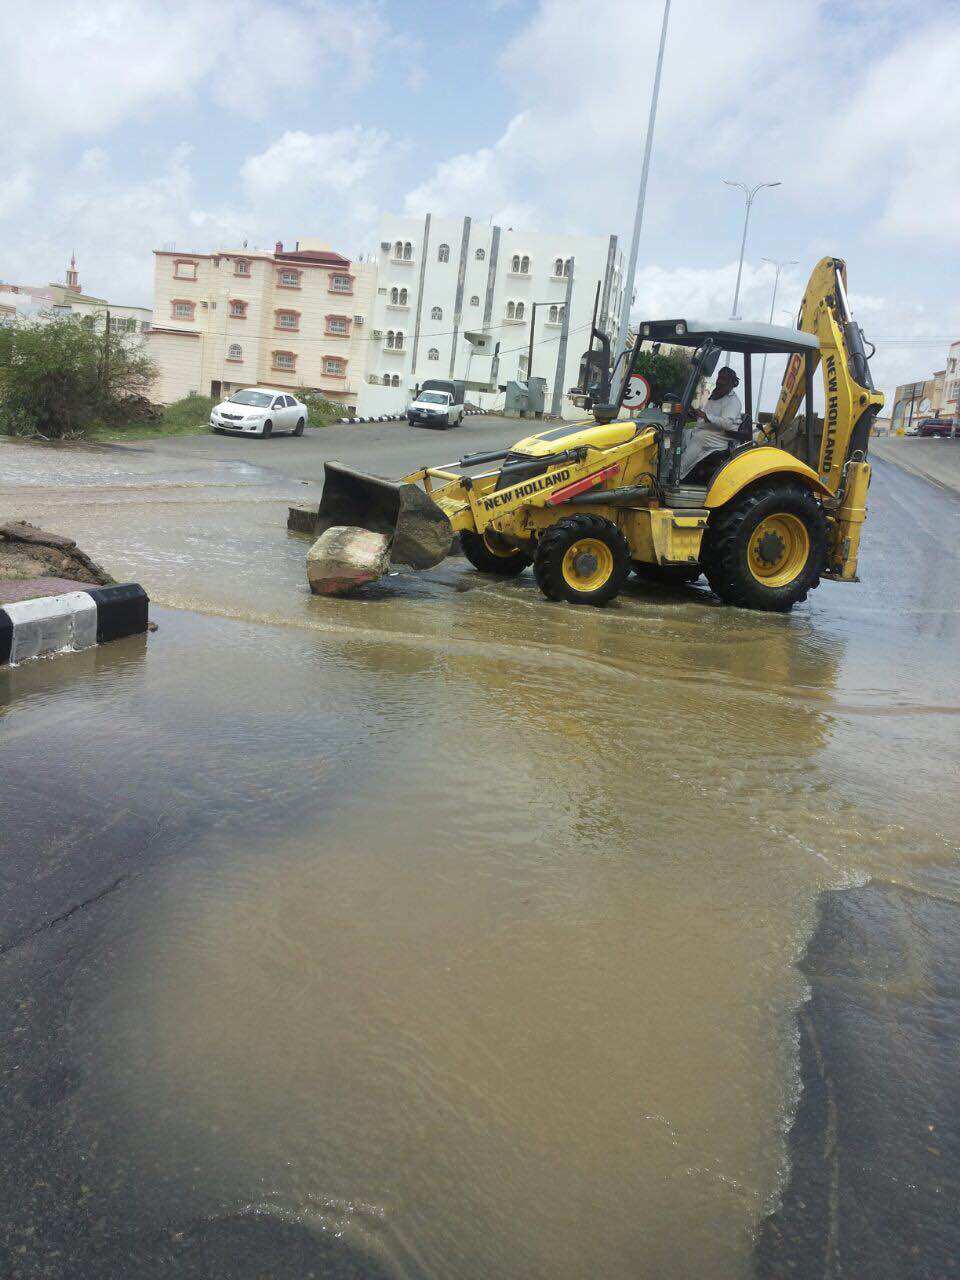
(258, 398)
(290, 402)
(278, 403)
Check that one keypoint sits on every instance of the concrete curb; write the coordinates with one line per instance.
(400, 417)
(70, 620)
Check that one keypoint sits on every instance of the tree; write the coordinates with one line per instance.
(666, 371)
(59, 374)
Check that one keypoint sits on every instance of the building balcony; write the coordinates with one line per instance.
(398, 306)
(394, 351)
(402, 262)
(519, 275)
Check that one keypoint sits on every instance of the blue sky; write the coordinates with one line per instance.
(133, 125)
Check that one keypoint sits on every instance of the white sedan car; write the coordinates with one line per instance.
(259, 411)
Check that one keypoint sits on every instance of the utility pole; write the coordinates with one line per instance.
(106, 353)
(750, 195)
(621, 343)
(773, 302)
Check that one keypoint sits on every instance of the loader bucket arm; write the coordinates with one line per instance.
(421, 533)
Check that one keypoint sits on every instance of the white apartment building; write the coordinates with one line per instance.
(69, 299)
(951, 383)
(292, 318)
(441, 279)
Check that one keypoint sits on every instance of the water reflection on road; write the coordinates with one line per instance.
(450, 924)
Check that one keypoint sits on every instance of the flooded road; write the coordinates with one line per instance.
(443, 931)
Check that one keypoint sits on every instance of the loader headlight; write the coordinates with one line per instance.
(681, 326)
(646, 331)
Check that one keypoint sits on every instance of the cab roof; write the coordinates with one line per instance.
(732, 335)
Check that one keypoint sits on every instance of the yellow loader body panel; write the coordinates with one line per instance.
(746, 468)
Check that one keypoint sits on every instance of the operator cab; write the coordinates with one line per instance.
(708, 342)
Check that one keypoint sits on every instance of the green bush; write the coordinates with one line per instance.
(186, 413)
(666, 371)
(62, 376)
(322, 411)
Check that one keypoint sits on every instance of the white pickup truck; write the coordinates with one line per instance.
(439, 404)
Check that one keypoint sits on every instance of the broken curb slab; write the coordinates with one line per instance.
(344, 557)
(29, 552)
(58, 621)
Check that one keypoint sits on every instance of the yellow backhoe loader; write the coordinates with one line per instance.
(586, 503)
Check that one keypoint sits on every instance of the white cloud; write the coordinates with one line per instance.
(15, 191)
(341, 160)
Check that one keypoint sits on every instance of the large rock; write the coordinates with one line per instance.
(29, 552)
(345, 557)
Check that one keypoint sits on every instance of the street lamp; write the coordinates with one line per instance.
(750, 194)
(773, 302)
(533, 323)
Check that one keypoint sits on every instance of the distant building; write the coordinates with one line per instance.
(441, 280)
(915, 400)
(69, 299)
(292, 318)
(951, 383)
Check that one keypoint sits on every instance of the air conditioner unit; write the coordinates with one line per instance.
(386, 246)
(376, 333)
(382, 293)
(358, 320)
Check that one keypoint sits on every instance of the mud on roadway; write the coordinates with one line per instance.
(446, 931)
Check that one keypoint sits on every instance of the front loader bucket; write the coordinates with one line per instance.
(421, 533)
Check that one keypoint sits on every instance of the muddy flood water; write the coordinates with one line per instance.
(446, 931)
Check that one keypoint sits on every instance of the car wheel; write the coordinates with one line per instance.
(267, 430)
(298, 429)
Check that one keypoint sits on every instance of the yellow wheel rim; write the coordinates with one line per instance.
(497, 548)
(779, 550)
(587, 564)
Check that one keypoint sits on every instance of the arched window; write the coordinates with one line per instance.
(525, 265)
(553, 314)
(407, 251)
(436, 313)
(562, 312)
(558, 267)
(475, 300)
(566, 266)
(398, 340)
(510, 310)
(394, 295)
(515, 264)
(403, 297)
(480, 255)
(395, 381)
(389, 337)
(234, 351)
(398, 249)
(433, 354)
(519, 310)
(443, 253)
(386, 379)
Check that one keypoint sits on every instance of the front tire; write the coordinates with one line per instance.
(267, 430)
(583, 559)
(484, 554)
(298, 429)
(766, 548)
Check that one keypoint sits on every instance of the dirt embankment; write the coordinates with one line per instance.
(931, 459)
(29, 552)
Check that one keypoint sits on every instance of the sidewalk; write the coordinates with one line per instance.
(936, 460)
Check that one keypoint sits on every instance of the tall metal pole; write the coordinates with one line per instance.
(533, 322)
(560, 374)
(749, 193)
(773, 302)
(641, 198)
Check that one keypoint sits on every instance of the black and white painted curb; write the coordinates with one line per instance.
(401, 417)
(72, 620)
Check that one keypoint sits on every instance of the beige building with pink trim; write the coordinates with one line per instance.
(292, 318)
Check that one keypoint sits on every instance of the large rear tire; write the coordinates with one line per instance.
(583, 559)
(766, 549)
(489, 557)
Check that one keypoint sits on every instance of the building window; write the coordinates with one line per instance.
(515, 264)
(182, 309)
(443, 253)
(558, 267)
(510, 310)
(185, 269)
(288, 320)
(480, 254)
(525, 265)
(123, 324)
(407, 251)
(341, 284)
(553, 314)
(436, 313)
(566, 266)
(395, 380)
(339, 326)
(287, 278)
(519, 310)
(234, 351)
(562, 311)
(241, 267)
(284, 360)
(386, 379)
(238, 309)
(475, 300)
(144, 326)
(433, 354)
(334, 366)
(398, 249)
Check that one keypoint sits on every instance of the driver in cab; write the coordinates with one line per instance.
(720, 419)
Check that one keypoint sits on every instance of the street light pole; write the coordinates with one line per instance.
(749, 194)
(621, 343)
(773, 302)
